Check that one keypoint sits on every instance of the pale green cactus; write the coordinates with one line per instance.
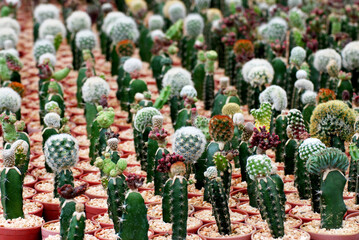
(258, 166)
(77, 21)
(144, 117)
(85, 40)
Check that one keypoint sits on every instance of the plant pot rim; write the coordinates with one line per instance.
(226, 238)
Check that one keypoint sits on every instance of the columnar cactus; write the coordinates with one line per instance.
(270, 192)
(330, 164)
(244, 150)
(189, 96)
(77, 223)
(353, 170)
(211, 57)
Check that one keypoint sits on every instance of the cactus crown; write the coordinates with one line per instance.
(8, 22)
(238, 119)
(111, 18)
(189, 142)
(333, 118)
(177, 78)
(202, 4)
(106, 117)
(124, 28)
(43, 46)
(258, 71)
(263, 139)
(188, 91)
(7, 34)
(77, 21)
(52, 120)
(46, 11)
(132, 65)
(323, 57)
(309, 147)
(155, 22)
(52, 106)
(202, 122)
(193, 25)
(211, 172)
(220, 161)
(326, 159)
(9, 100)
(350, 54)
(94, 88)
(262, 115)
(144, 117)
(301, 74)
(19, 147)
(309, 97)
(134, 181)
(158, 35)
(52, 27)
(296, 128)
(69, 192)
(297, 56)
(276, 29)
(230, 109)
(325, 95)
(276, 96)
(221, 128)
(61, 151)
(258, 166)
(176, 11)
(304, 84)
(47, 57)
(85, 40)
(157, 121)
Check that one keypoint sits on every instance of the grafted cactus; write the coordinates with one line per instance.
(262, 116)
(221, 129)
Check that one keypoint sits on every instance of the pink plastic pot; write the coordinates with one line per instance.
(39, 190)
(243, 237)
(89, 182)
(20, 233)
(92, 211)
(238, 199)
(51, 211)
(32, 183)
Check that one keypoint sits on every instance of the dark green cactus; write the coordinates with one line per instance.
(63, 177)
(159, 177)
(199, 74)
(224, 168)
(68, 208)
(116, 189)
(280, 73)
(188, 52)
(281, 130)
(145, 43)
(353, 180)
(290, 154)
(209, 79)
(77, 224)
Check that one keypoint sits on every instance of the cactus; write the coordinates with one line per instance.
(219, 201)
(8, 34)
(10, 100)
(86, 71)
(353, 171)
(199, 73)
(221, 129)
(281, 123)
(43, 12)
(105, 40)
(350, 60)
(52, 27)
(84, 40)
(8, 22)
(263, 140)
(77, 224)
(185, 115)
(330, 164)
(224, 168)
(220, 98)
(308, 100)
(270, 192)
(262, 116)
(11, 180)
(321, 60)
(211, 57)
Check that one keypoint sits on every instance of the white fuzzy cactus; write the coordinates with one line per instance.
(294, 3)
(41, 47)
(132, 64)
(350, 55)
(157, 34)
(106, 7)
(46, 11)
(144, 117)
(309, 147)
(9, 100)
(193, 25)
(276, 29)
(52, 120)
(276, 96)
(155, 22)
(258, 166)
(247, 67)
(77, 21)
(309, 97)
(238, 119)
(61, 151)
(189, 142)
(301, 74)
(177, 11)
(323, 57)
(260, 75)
(52, 27)
(124, 28)
(304, 84)
(8, 22)
(111, 18)
(47, 56)
(297, 55)
(85, 39)
(234, 3)
(7, 34)
(202, 4)
(211, 172)
(94, 88)
(177, 78)
(188, 91)
(50, 106)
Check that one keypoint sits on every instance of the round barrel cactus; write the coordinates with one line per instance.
(144, 117)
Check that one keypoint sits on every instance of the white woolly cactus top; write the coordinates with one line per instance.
(9, 100)
(47, 56)
(43, 46)
(177, 78)
(155, 22)
(144, 117)
(256, 62)
(52, 27)
(132, 64)
(52, 120)
(94, 88)
(350, 55)
(202, 4)
(304, 84)
(309, 97)
(301, 74)
(177, 11)
(238, 118)
(189, 142)
(276, 96)
(275, 29)
(294, 3)
(297, 55)
(46, 11)
(260, 75)
(211, 172)
(50, 106)
(123, 28)
(8, 22)
(309, 147)
(188, 91)
(78, 20)
(323, 57)
(258, 166)
(159, 34)
(111, 18)
(85, 39)
(7, 34)
(193, 25)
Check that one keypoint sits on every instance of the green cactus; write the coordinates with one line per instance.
(163, 98)
(262, 115)
(224, 168)
(281, 130)
(68, 208)
(160, 65)
(244, 150)
(353, 171)
(199, 74)
(77, 224)
(211, 57)
(330, 164)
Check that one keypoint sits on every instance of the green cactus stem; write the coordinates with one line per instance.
(211, 57)
(188, 53)
(344, 84)
(163, 98)
(160, 65)
(77, 224)
(136, 86)
(280, 73)
(123, 83)
(159, 177)
(134, 217)
(212, 148)
(242, 86)
(302, 178)
(199, 74)
(307, 113)
(90, 115)
(63, 177)
(290, 154)
(353, 170)
(244, 150)
(68, 208)
(145, 43)
(224, 168)
(230, 69)
(116, 189)
(291, 78)
(281, 130)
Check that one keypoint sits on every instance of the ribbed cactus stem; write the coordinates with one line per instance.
(353, 181)
(302, 178)
(62, 178)
(77, 226)
(68, 208)
(159, 177)
(281, 131)
(290, 154)
(116, 189)
(209, 80)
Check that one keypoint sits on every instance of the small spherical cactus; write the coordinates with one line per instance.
(213, 14)
(202, 4)
(8, 22)
(188, 91)
(297, 56)
(144, 117)
(327, 158)
(124, 28)
(111, 18)
(211, 172)
(276, 29)
(309, 97)
(323, 57)
(46, 11)
(258, 166)
(61, 151)
(157, 121)
(264, 66)
(47, 57)
(155, 22)
(309, 147)
(177, 78)
(189, 142)
(43, 46)
(9, 100)
(52, 120)
(106, 117)
(52, 27)
(193, 25)
(238, 119)
(157, 34)
(350, 54)
(85, 40)
(221, 128)
(294, 3)
(262, 116)
(230, 109)
(51, 106)
(112, 143)
(333, 118)
(138, 8)
(176, 11)
(132, 65)
(276, 96)
(201, 123)
(94, 88)
(258, 76)
(304, 84)
(77, 21)
(7, 34)
(301, 74)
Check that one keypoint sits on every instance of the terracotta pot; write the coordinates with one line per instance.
(45, 232)
(191, 195)
(38, 212)
(92, 211)
(243, 237)
(92, 183)
(234, 210)
(32, 195)
(51, 210)
(196, 208)
(351, 215)
(290, 208)
(31, 184)
(81, 172)
(249, 213)
(103, 225)
(244, 191)
(39, 190)
(166, 234)
(305, 233)
(96, 234)
(304, 219)
(20, 233)
(320, 236)
(92, 196)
